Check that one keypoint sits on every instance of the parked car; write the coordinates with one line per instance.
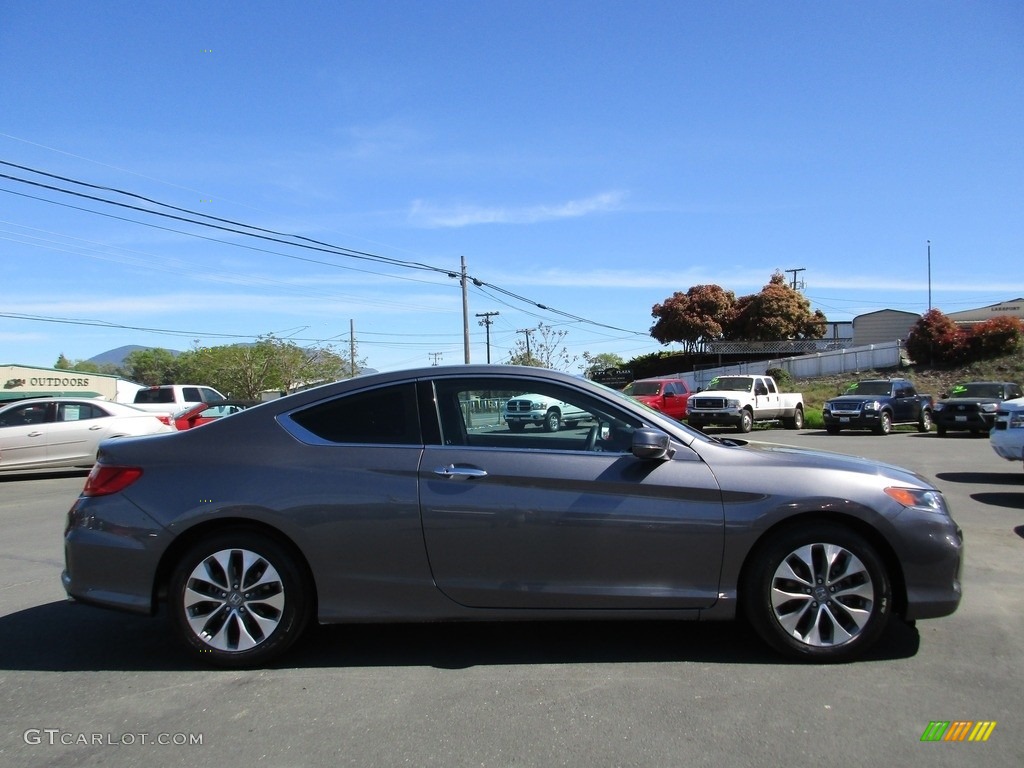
(878, 404)
(66, 432)
(388, 498)
(666, 395)
(170, 398)
(542, 411)
(1007, 435)
(204, 413)
(742, 401)
(973, 406)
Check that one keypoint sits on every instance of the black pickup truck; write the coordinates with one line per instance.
(878, 404)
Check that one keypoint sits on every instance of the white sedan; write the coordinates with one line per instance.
(1007, 435)
(66, 432)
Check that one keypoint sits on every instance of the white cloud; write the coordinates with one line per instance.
(423, 214)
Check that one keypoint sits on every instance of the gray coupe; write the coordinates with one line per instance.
(406, 497)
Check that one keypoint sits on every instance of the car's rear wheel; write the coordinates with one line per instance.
(238, 599)
(796, 421)
(818, 592)
(924, 424)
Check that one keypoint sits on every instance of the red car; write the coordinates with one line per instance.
(201, 413)
(669, 396)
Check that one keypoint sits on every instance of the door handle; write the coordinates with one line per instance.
(460, 473)
(35, 434)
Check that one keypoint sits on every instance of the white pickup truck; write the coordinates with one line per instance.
(545, 412)
(171, 398)
(742, 401)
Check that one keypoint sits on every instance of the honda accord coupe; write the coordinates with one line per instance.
(406, 497)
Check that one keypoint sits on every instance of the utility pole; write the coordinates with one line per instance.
(486, 322)
(435, 356)
(527, 331)
(465, 311)
(794, 271)
(352, 347)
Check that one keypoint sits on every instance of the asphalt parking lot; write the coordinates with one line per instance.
(83, 687)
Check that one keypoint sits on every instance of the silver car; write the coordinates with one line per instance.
(406, 497)
(53, 432)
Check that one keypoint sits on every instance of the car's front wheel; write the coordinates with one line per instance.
(238, 599)
(552, 421)
(818, 592)
(746, 422)
(884, 423)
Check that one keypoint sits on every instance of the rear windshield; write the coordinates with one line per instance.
(154, 396)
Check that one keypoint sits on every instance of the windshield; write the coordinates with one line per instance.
(730, 384)
(869, 388)
(977, 389)
(642, 388)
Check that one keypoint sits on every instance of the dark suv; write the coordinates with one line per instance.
(973, 406)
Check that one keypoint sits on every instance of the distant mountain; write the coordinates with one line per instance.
(117, 356)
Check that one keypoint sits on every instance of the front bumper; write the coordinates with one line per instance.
(729, 416)
(953, 420)
(865, 420)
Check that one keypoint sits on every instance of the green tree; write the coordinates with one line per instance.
(62, 363)
(151, 367)
(246, 370)
(543, 347)
(601, 362)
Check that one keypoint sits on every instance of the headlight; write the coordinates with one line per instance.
(1016, 420)
(990, 407)
(939, 406)
(919, 498)
(873, 405)
(732, 403)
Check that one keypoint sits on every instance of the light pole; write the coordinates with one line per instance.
(929, 275)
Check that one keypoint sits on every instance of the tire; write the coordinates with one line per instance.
(223, 622)
(818, 592)
(940, 430)
(796, 421)
(924, 424)
(552, 421)
(746, 421)
(884, 423)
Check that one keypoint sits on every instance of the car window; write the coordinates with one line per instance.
(387, 415)
(79, 412)
(506, 413)
(209, 395)
(156, 395)
(24, 415)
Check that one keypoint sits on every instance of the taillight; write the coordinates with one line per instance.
(106, 479)
(165, 418)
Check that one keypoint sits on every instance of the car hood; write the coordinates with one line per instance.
(969, 400)
(854, 398)
(814, 459)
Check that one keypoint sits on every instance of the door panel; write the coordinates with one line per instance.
(571, 529)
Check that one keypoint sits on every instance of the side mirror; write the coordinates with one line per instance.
(651, 444)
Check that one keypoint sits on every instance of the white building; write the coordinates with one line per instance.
(21, 381)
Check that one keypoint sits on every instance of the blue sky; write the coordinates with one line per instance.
(589, 157)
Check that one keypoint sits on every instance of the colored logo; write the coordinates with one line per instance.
(958, 730)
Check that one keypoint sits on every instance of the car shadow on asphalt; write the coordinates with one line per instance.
(65, 637)
(1008, 499)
